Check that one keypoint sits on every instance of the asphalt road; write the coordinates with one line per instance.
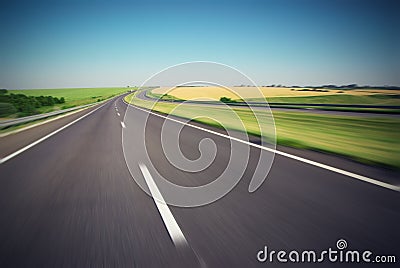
(70, 201)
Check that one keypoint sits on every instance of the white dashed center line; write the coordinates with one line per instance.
(174, 231)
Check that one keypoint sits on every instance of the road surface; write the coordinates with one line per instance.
(70, 201)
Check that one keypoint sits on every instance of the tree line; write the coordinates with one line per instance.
(24, 105)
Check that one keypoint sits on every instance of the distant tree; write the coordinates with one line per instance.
(7, 109)
(226, 100)
(328, 86)
(3, 91)
(349, 86)
(27, 105)
(50, 101)
(42, 100)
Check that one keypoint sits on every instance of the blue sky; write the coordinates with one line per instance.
(49, 44)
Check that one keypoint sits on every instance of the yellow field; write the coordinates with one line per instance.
(215, 93)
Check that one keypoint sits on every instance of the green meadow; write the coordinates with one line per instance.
(73, 96)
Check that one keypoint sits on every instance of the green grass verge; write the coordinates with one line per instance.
(371, 140)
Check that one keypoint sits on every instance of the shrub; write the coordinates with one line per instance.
(7, 109)
(226, 100)
(27, 105)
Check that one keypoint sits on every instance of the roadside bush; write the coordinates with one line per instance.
(226, 100)
(27, 105)
(7, 109)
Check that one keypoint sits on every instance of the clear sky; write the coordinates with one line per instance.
(49, 44)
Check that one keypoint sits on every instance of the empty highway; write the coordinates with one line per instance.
(70, 200)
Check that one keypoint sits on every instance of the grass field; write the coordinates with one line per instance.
(287, 95)
(73, 96)
(365, 139)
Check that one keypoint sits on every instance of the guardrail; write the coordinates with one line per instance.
(21, 120)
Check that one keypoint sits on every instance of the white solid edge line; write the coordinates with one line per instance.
(14, 154)
(298, 158)
(123, 124)
(170, 223)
